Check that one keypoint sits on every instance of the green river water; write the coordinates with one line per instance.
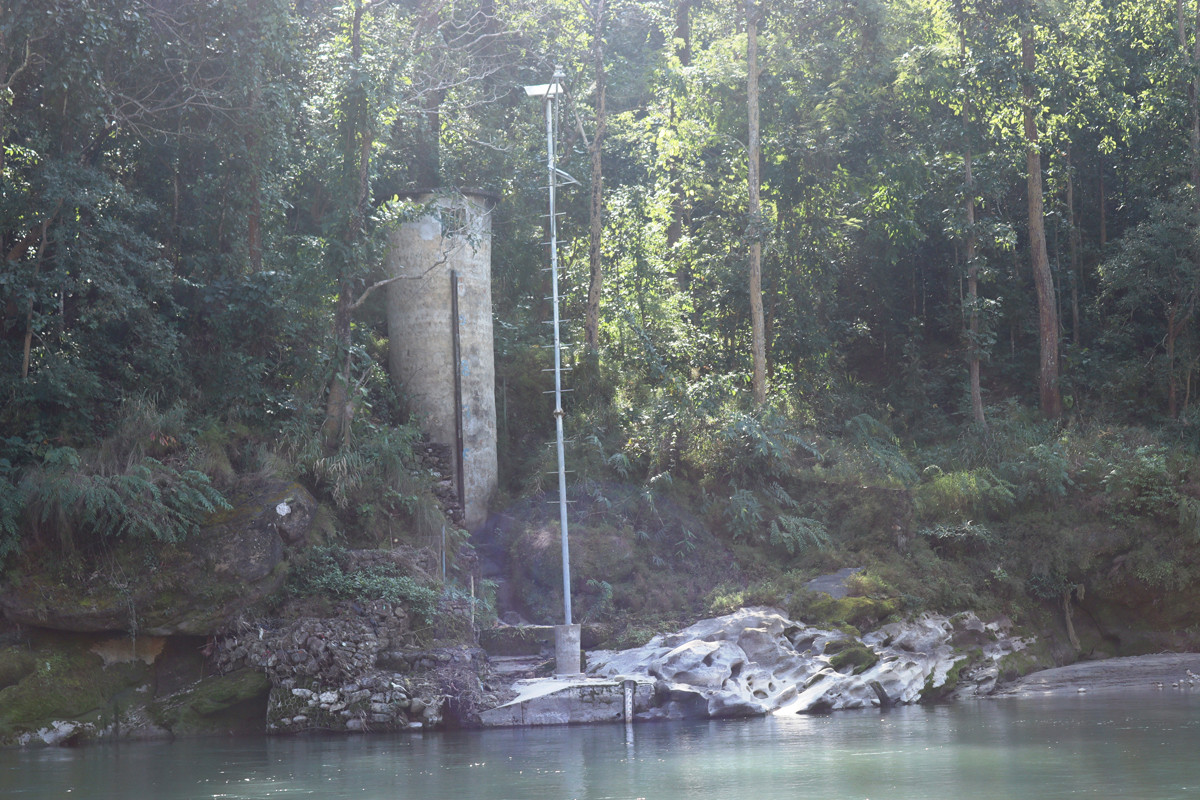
(1143, 744)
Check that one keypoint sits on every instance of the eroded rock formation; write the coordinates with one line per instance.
(756, 661)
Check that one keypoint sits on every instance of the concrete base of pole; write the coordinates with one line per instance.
(566, 650)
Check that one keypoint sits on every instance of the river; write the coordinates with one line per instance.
(1142, 744)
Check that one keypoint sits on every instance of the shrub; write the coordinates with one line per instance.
(1041, 471)
(962, 494)
(959, 538)
(744, 513)
(1144, 483)
(329, 571)
(880, 448)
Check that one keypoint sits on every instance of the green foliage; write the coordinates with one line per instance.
(11, 508)
(880, 448)
(1041, 472)
(967, 535)
(1144, 484)
(375, 480)
(726, 598)
(602, 606)
(326, 570)
(962, 494)
(147, 501)
(744, 513)
(796, 534)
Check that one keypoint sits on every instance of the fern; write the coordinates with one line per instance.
(796, 534)
(966, 533)
(882, 447)
(781, 496)
(150, 501)
(1189, 516)
(744, 513)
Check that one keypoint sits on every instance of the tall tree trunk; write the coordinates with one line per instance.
(596, 217)
(429, 155)
(757, 325)
(1175, 319)
(1173, 328)
(683, 52)
(1074, 247)
(1192, 58)
(356, 154)
(1050, 398)
(973, 294)
(254, 247)
(971, 243)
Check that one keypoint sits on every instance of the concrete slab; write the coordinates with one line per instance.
(567, 701)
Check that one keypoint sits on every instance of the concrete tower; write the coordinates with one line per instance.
(440, 334)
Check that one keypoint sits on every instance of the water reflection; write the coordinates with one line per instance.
(1121, 746)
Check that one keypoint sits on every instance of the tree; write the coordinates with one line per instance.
(1050, 398)
(972, 239)
(1156, 265)
(595, 146)
(757, 325)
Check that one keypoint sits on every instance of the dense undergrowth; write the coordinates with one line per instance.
(684, 503)
(710, 506)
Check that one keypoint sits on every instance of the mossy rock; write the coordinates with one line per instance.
(15, 663)
(932, 694)
(222, 704)
(69, 681)
(192, 587)
(1024, 662)
(852, 655)
(852, 614)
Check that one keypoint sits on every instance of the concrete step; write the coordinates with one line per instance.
(506, 669)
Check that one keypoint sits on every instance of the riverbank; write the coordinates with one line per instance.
(1157, 671)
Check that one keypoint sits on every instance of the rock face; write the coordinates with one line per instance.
(353, 668)
(195, 587)
(756, 661)
(321, 664)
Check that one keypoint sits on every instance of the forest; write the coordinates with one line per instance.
(902, 284)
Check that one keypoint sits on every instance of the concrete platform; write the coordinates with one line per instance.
(567, 700)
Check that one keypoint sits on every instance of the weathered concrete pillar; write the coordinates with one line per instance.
(567, 652)
(443, 363)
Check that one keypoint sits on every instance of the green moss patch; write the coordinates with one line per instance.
(68, 682)
(233, 703)
(15, 664)
(851, 656)
(857, 613)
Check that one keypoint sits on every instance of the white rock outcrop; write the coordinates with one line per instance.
(757, 661)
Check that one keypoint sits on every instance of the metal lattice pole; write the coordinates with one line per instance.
(550, 94)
